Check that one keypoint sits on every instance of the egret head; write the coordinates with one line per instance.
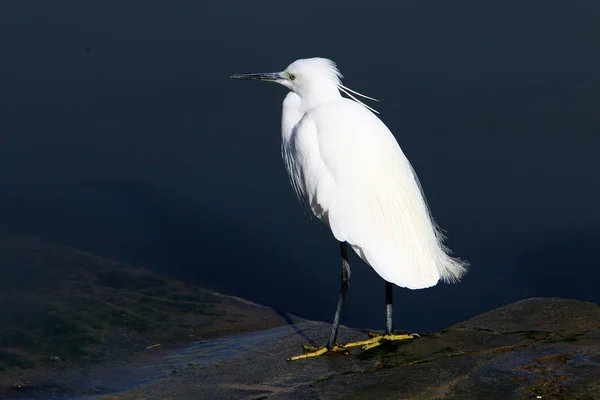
(313, 79)
(301, 75)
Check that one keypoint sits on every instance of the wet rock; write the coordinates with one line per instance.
(537, 314)
(122, 332)
(533, 349)
(67, 314)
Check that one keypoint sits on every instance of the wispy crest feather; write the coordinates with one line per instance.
(349, 92)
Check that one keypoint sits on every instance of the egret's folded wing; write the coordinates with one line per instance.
(363, 183)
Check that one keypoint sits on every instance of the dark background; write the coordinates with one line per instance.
(121, 134)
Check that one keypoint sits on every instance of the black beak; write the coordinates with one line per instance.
(261, 76)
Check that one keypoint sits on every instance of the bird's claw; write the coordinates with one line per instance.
(312, 351)
(377, 340)
(374, 341)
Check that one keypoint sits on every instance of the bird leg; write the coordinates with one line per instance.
(332, 345)
(376, 339)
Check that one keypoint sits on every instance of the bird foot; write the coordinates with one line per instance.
(318, 351)
(377, 340)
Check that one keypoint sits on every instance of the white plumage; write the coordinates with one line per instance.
(348, 169)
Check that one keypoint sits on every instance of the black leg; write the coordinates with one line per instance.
(345, 284)
(389, 323)
(375, 339)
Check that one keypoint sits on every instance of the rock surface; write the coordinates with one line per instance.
(486, 357)
(66, 315)
(78, 326)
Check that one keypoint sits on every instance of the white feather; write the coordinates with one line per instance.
(348, 169)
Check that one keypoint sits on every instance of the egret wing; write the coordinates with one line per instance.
(356, 179)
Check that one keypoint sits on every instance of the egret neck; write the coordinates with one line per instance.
(291, 113)
(317, 92)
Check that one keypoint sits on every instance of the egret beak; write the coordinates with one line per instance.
(261, 76)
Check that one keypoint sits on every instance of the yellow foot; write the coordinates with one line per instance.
(377, 340)
(317, 351)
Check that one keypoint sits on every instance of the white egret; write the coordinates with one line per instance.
(347, 168)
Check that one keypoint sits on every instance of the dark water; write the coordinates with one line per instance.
(120, 133)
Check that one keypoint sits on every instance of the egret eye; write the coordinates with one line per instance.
(291, 76)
